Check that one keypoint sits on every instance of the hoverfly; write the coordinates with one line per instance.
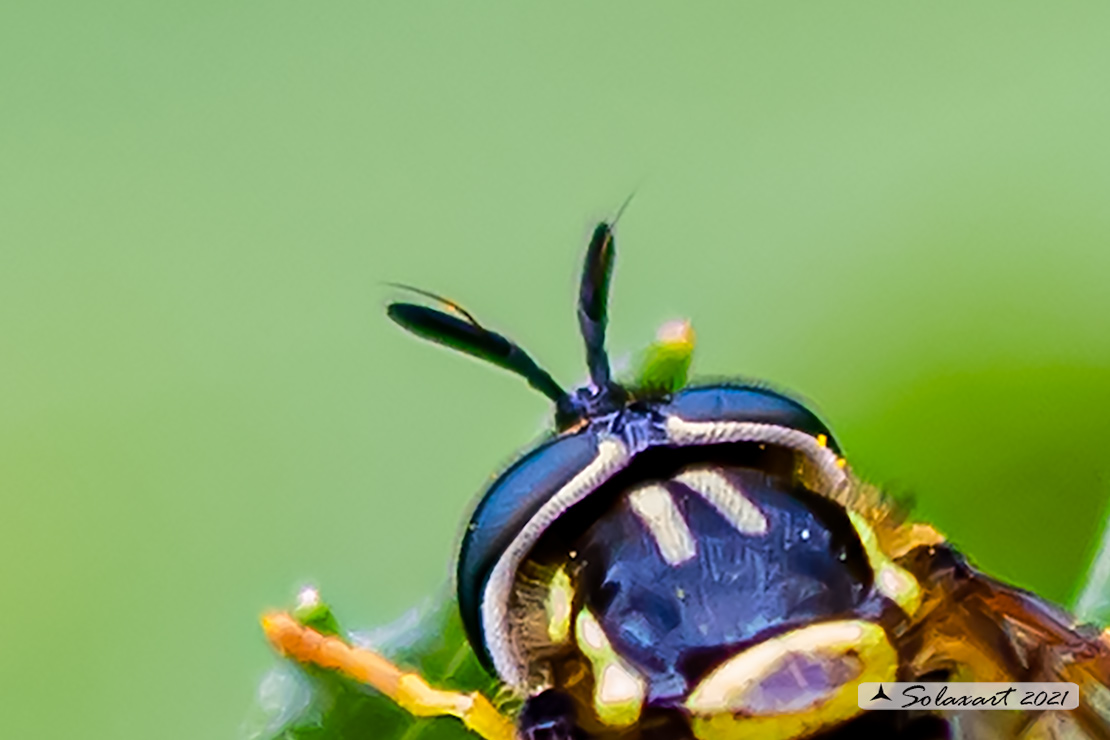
(698, 562)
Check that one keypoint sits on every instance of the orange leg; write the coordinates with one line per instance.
(411, 692)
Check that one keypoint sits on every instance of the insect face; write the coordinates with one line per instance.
(699, 563)
(671, 554)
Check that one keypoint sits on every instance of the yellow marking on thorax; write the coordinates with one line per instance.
(619, 690)
(726, 497)
(891, 579)
(655, 507)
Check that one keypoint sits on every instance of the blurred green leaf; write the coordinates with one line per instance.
(314, 612)
(297, 702)
(1093, 601)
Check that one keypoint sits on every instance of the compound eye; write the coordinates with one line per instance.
(505, 510)
(745, 403)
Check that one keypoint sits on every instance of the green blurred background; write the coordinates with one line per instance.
(898, 210)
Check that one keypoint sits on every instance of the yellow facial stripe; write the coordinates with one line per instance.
(560, 600)
(655, 508)
(727, 498)
(619, 689)
(792, 685)
(893, 581)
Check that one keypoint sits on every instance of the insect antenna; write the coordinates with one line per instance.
(593, 298)
(466, 335)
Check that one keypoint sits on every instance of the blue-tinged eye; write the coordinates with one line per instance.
(714, 403)
(506, 508)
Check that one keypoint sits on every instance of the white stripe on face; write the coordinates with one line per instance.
(657, 510)
(726, 497)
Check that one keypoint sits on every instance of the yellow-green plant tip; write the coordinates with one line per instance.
(314, 612)
(665, 364)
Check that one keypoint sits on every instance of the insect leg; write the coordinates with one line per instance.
(411, 692)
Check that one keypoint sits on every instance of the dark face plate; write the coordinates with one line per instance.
(677, 622)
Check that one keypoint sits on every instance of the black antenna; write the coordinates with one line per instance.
(593, 298)
(467, 335)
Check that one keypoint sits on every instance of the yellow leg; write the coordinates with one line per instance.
(409, 690)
